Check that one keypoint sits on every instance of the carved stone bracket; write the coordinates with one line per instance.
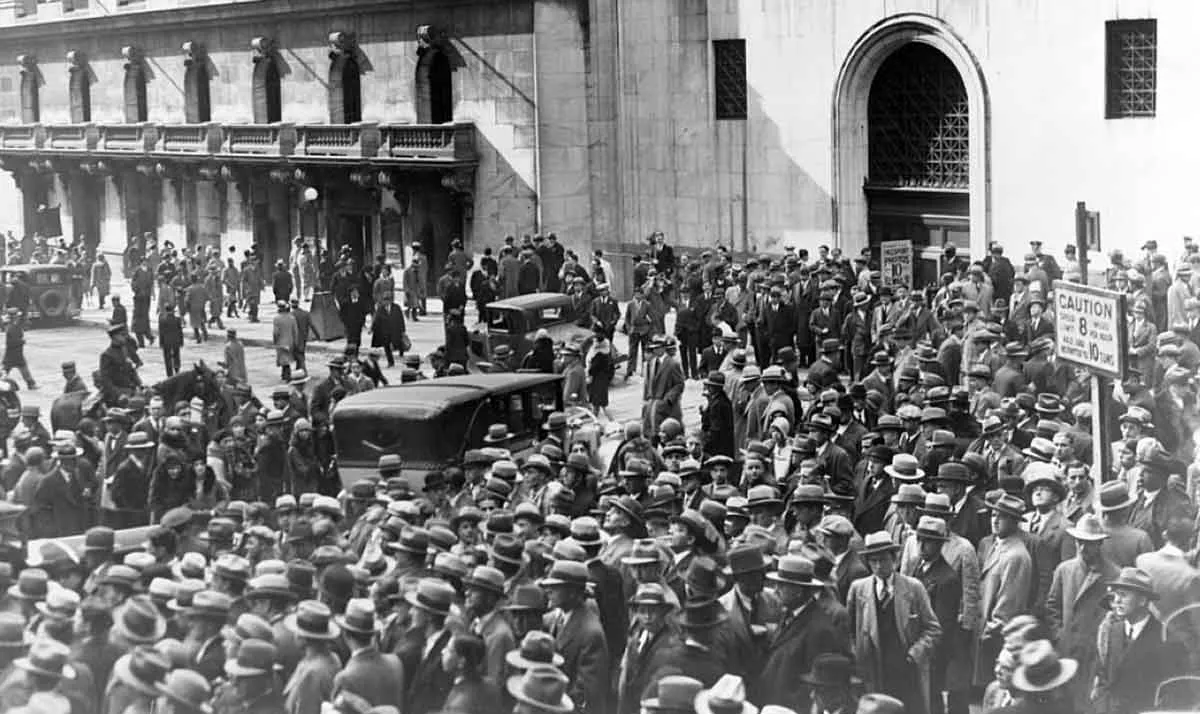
(76, 61)
(263, 48)
(148, 170)
(95, 168)
(342, 44)
(461, 185)
(27, 63)
(193, 52)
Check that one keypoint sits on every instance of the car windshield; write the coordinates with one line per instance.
(503, 320)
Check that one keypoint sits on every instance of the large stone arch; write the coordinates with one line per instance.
(850, 126)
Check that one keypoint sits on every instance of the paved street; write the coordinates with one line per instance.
(47, 348)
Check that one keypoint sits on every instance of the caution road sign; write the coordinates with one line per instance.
(1091, 327)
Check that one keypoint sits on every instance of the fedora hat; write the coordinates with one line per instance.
(1041, 669)
(1134, 579)
(142, 669)
(60, 604)
(1040, 450)
(432, 595)
(254, 658)
(992, 425)
(485, 578)
(877, 543)
(1088, 528)
(727, 696)
(536, 650)
(952, 471)
(211, 605)
(138, 621)
(746, 559)
(1114, 496)
(1045, 480)
(247, 627)
(674, 694)
(543, 689)
(936, 505)
(932, 528)
(909, 494)
(1008, 505)
(703, 612)
(359, 617)
(630, 506)
(467, 514)
(32, 585)
(312, 620)
(706, 577)
(413, 540)
(905, 468)
(48, 658)
(644, 552)
(269, 585)
(585, 530)
(507, 548)
(830, 670)
(567, 573)
(795, 570)
(651, 595)
(13, 635)
(497, 434)
(765, 496)
(526, 598)
(187, 689)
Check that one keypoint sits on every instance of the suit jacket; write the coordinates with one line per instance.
(744, 650)
(1075, 606)
(800, 638)
(311, 684)
(960, 555)
(377, 677)
(473, 696)
(579, 638)
(850, 568)
(1048, 548)
(883, 385)
(856, 333)
(1153, 518)
(498, 640)
(1005, 576)
(945, 597)
(59, 507)
(642, 666)
(871, 506)
(851, 439)
(1043, 328)
(916, 624)
(1128, 673)
(666, 389)
(968, 522)
(428, 683)
(1177, 583)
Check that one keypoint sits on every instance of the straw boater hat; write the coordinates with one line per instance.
(878, 543)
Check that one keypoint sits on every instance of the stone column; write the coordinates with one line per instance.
(208, 213)
(113, 238)
(171, 225)
(66, 212)
(238, 232)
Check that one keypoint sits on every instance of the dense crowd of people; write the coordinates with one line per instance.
(889, 503)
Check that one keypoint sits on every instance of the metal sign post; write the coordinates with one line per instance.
(1092, 334)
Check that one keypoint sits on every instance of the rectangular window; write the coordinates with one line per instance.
(729, 75)
(25, 8)
(1131, 68)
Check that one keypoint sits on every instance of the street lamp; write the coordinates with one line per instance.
(310, 196)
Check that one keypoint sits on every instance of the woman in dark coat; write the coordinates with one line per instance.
(456, 338)
(541, 357)
(389, 330)
(172, 485)
(303, 463)
(600, 371)
(353, 312)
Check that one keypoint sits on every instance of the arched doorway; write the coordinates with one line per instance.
(911, 141)
(435, 87)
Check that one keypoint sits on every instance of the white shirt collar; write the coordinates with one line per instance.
(1135, 628)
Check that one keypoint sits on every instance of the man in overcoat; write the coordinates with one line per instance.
(945, 591)
(895, 627)
(1077, 602)
(1005, 577)
(653, 649)
(578, 636)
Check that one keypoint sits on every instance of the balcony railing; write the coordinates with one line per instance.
(441, 142)
(259, 139)
(359, 140)
(128, 138)
(384, 144)
(191, 138)
(72, 137)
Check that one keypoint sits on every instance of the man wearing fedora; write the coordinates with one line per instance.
(1077, 600)
(664, 386)
(578, 636)
(251, 682)
(750, 607)
(1176, 580)
(653, 648)
(1046, 526)
(803, 633)
(485, 588)
(421, 646)
(1155, 500)
(472, 693)
(1006, 574)
(832, 681)
(950, 670)
(1125, 542)
(895, 626)
(716, 418)
(1135, 652)
(377, 677)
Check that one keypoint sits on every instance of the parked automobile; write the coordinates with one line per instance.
(51, 292)
(516, 321)
(431, 423)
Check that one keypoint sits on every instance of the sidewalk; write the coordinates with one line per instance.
(426, 334)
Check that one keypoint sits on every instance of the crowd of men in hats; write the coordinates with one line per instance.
(889, 505)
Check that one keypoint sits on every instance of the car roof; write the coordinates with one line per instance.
(532, 301)
(430, 396)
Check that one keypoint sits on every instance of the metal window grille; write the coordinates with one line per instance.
(729, 73)
(1131, 68)
(919, 122)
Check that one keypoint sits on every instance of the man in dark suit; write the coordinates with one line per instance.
(665, 383)
(880, 379)
(750, 608)
(485, 587)
(377, 677)
(835, 533)
(875, 491)
(824, 372)
(716, 417)
(1039, 325)
(60, 502)
(1156, 502)
(856, 333)
(654, 646)
(471, 693)
(420, 648)
(578, 636)
(777, 322)
(1135, 652)
(610, 588)
(945, 591)
(804, 632)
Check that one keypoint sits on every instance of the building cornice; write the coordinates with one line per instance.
(123, 23)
